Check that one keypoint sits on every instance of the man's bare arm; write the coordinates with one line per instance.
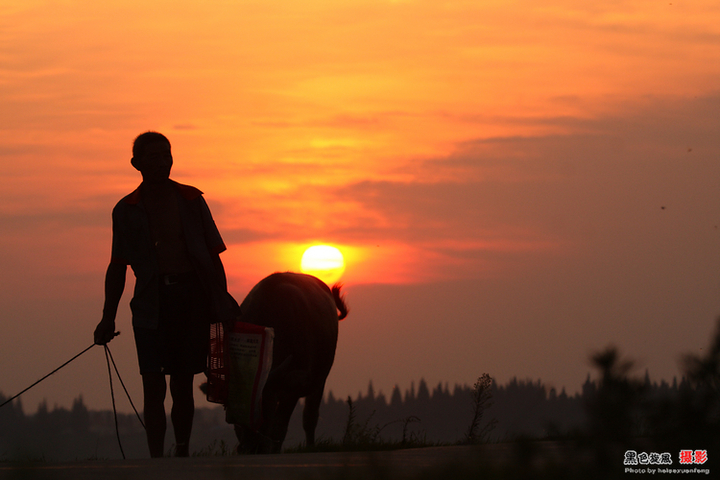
(114, 287)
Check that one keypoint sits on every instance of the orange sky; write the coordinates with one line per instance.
(435, 143)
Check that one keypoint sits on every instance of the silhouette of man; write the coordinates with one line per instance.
(166, 233)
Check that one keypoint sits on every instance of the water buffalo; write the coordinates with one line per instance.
(304, 313)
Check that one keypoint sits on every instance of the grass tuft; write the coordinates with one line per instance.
(481, 401)
(215, 449)
(362, 436)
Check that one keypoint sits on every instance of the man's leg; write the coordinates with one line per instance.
(183, 410)
(154, 388)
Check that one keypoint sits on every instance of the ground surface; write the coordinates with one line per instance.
(423, 463)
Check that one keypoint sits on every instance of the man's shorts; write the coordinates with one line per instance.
(180, 343)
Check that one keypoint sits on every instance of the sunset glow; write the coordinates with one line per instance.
(494, 167)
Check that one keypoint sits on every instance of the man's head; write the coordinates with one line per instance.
(152, 156)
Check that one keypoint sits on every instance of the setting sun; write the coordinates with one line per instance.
(323, 261)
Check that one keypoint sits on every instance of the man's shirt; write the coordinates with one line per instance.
(132, 245)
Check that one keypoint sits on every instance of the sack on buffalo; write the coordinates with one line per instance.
(249, 358)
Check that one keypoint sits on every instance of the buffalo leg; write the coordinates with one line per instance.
(311, 413)
(284, 411)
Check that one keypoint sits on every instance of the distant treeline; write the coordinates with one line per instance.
(520, 408)
(438, 415)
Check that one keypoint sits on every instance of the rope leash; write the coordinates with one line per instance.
(107, 349)
(46, 376)
(112, 395)
(108, 358)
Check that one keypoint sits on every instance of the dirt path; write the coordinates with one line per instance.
(447, 463)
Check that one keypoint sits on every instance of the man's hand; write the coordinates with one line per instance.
(104, 332)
